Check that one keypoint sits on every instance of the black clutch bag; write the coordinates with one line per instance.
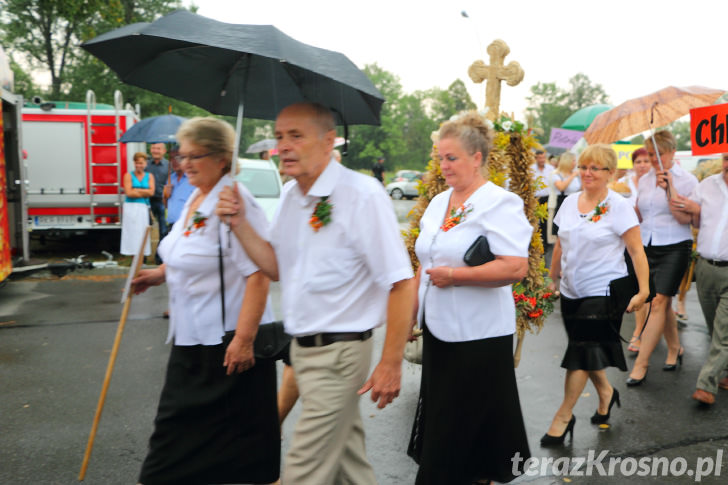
(478, 253)
(623, 289)
(270, 341)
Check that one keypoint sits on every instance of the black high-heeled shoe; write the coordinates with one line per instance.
(632, 382)
(548, 440)
(603, 418)
(673, 367)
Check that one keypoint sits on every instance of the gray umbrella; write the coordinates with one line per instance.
(220, 66)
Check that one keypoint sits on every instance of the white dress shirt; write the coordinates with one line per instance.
(592, 253)
(545, 175)
(339, 278)
(192, 271)
(462, 313)
(658, 224)
(712, 195)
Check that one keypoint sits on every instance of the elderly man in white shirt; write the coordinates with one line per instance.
(336, 248)
(707, 208)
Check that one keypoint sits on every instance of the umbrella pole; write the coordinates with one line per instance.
(236, 149)
(659, 161)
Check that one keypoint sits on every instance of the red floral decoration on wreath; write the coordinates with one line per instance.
(533, 304)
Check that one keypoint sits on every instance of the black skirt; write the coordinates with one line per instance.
(594, 342)
(468, 424)
(214, 428)
(668, 265)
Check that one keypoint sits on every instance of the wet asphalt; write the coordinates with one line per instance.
(56, 336)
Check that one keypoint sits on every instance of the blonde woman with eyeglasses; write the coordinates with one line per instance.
(595, 226)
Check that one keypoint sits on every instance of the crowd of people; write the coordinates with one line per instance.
(218, 418)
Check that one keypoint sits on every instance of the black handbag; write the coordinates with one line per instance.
(478, 253)
(271, 339)
(623, 289)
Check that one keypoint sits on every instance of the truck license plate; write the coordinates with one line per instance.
(55, 220)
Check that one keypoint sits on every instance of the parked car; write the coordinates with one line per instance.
(261, 177)
(405, 175)
(404, 184)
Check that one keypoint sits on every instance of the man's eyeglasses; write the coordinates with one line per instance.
(181, 158)
(592, 169)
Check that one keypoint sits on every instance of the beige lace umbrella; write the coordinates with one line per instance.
(644, 113)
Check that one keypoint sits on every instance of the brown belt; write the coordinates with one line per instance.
(321, 339)
(716, 262)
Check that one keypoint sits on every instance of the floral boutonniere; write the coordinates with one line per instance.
(457, 215)
(321, 214)
(198, 221)
(599, 211)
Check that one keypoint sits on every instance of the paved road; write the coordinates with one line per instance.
(56, 335)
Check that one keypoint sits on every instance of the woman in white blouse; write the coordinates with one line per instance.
(640, 166)
(217, 420)
(469, 423)
(595, 225)
(668, 245)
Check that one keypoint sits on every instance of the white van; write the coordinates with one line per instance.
(262, 179)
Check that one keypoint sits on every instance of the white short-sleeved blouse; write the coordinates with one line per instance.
(659, 227)
(192, 272)
(462, 313)
(592, 252)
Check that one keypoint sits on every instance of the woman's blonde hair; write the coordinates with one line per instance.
(139, 155)
(601, 154)
(566, 163)
(664, 140)
(214, 135)
(472, 132)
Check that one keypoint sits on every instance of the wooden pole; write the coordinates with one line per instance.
(112, 360)
(517, 353)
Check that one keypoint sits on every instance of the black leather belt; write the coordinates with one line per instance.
(321, 339)
(716, 262)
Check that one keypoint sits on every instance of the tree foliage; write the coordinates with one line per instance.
(408, 121)
(47, 33)
(549, 105)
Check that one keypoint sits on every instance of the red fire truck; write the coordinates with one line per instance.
(75, 164)
(13, 237)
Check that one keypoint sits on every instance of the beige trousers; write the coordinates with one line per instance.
(328, 441)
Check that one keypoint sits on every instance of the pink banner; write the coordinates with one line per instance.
(564, 138)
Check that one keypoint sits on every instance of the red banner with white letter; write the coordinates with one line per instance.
(709, 129)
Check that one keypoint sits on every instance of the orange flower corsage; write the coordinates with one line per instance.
(457, 215)
(321, 214)
(198, 222)
(599, 211)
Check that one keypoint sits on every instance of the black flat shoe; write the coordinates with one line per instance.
(673, 367)
(632, 382)
(603, 418)
(548, 440)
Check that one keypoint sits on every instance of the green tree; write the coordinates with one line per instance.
(367, 143)
(549, 106)
(47, 33)
(445, 103)
(24, 84)
(681, 132)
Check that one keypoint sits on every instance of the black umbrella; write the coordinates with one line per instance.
(224, 67)
(156, 129)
